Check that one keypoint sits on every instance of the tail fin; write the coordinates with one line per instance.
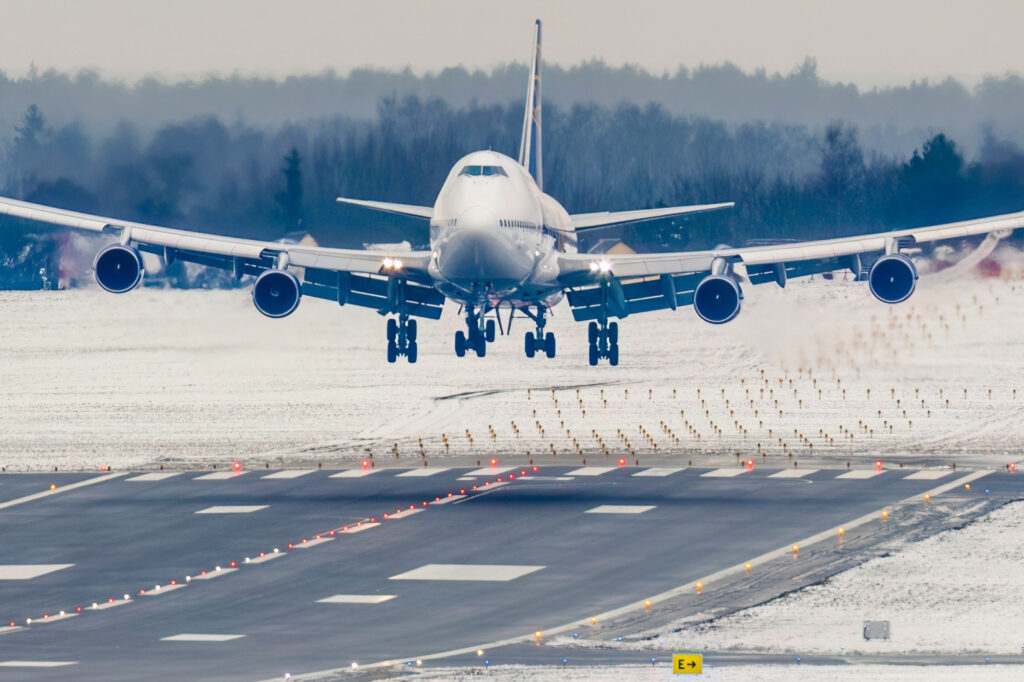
(531, 119)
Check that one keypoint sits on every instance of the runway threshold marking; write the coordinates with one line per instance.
(36, 664)
(353, 473)
(58, 490)
(220, 475)
(288, 473)
(487, 471)
(793, 473)
(154, 476)
(29, 571)
(620, 509)
(723, 473)
(196, 637)
(862, 473)
(687, 588)
(590, 471)
(356, 599)
(233, 509)
(423, 472)
(467, 572)
(660, 471)
(927, 475)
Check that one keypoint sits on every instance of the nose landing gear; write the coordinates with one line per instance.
(479, 332)
(604, 342)
(402, 338)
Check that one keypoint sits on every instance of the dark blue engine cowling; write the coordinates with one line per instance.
(276, 293)
(717, 299)
(118, 268)
(892, 278)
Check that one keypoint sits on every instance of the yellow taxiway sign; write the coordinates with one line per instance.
(687, 664)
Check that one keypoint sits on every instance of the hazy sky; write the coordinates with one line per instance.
(869, 42)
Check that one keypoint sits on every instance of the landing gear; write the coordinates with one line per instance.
(604, 342)
(460, 344)
(477, 335)
(538, 340)
(402, 338)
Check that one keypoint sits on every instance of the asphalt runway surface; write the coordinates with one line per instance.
(481, 566)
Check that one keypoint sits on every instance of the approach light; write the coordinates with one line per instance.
(237, 466)
(494, 461)
(622, 461)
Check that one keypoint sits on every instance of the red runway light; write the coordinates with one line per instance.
(499, 479)
(878, 464)
(331, 533)
(291, 545)
(462, 491)
(237, 466)
(12, 623)
(494, 461)
(78, 609)
(622, 461)
(366, 464)
(234, 564)
(474, 487)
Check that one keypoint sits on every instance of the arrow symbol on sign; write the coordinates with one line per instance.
(692, 664)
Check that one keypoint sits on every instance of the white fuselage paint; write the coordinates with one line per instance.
(495, 238)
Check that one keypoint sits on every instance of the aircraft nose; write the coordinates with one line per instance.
(476, 250)
(477, 219)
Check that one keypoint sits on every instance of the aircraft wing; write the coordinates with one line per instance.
(651, 281)
(590, 221)
(400, 209)
(355, 276)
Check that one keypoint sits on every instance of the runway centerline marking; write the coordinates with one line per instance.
(861, 473)
(58, 490)
(620, 509)
(356, 599)
(195, 637)
(36, 664)
(288, 473)
(423, 472)
(233, 509)
(353, 473)
(467, 572)
(219, 476)
(723, 473)
(660, 471)
(590, 471)
(154, 476)
(29, 571)
(793, 473)
(928, 475)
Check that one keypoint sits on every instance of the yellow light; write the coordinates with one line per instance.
(885, 514)
(538, 634)
(479, 652)
(796, 548)
(749, 567)
(700, 586)
(967, 486)
(927, 497)
(647, 604)
(593, 620)
(841, 531)
(53, 486)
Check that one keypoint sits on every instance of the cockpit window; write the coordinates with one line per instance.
(483, 170)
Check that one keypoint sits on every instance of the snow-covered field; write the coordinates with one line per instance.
(820, 372)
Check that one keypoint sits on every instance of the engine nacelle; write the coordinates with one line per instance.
(276, 293)
(717, 299)
(118, 268)
(892, 278)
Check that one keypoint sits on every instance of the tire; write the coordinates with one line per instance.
(460, 344)
(549, 344)
(481, 347)
(592, 333)
(410, 331)
(392, 351)
(593, 355)
(613, 355)
(392, 330)
(412, 352)
(489, 330)
(613, 333)
(529, 345)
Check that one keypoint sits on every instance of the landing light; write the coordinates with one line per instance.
(600, 266)
(391, 264)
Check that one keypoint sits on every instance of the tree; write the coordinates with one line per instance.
(290, 198)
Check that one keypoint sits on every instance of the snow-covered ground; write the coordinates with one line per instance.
(819, 371)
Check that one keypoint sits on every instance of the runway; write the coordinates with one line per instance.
(494, 555)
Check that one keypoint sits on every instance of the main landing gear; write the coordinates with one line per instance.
(538, 341)
(604, 341)
(402, 338)
(479, 332)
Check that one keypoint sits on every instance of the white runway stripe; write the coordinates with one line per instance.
(219, 476)
(590, 471)
(620, 509)
(155, 476)
(929, 475)
(353, 473)
(356, 599)
(468, 572)
(35, 664)
(660, 471)
(423, 472)
(860, 473)
(233, 509)
(793, 473)
(724, 473)
(29, 571)
(289, 473)
(193, 637)
(487, 471)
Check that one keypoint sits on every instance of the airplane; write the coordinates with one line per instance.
(498, 241)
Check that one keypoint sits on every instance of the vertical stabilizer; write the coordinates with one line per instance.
(530, 142)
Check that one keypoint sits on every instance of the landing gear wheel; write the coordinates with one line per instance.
(549, 344)
(489, 331)
(481, 347)
(392, 329)
(613, 355)
(392, 351)
(460, 344)
(613, 334)
(530, 345)
(410, 332)
(592, 333)
(411, 352)
(593, 355)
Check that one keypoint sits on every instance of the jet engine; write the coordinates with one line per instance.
(892, 278)
(118, 268)
(276, 293)
(717, 299)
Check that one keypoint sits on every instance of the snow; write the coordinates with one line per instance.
(191, 378)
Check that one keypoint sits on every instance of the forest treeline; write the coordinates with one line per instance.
(788, 180)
